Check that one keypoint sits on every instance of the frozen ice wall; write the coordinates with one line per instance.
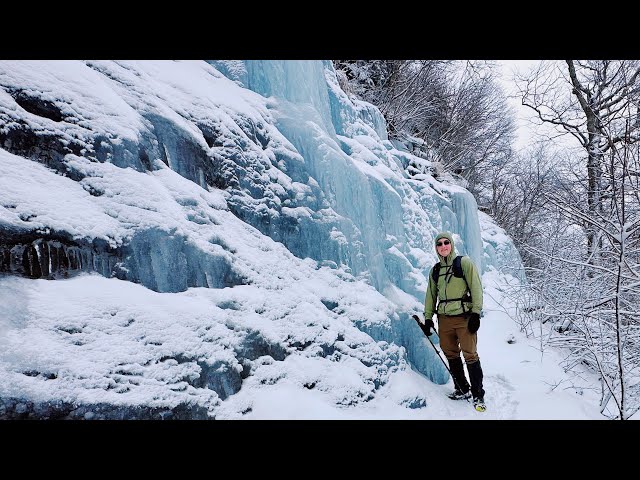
(388, 221)
(345, 149)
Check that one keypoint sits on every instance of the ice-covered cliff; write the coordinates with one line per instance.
(254, 194)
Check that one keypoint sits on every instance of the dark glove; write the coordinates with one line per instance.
(426, 327)
(474, 322)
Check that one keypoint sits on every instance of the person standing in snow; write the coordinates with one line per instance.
(458, 316)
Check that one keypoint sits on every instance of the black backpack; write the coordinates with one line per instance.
(457, 269)
(457, 272)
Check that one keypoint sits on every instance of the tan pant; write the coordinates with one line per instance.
(455, 337)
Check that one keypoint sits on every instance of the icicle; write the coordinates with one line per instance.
(50, 262)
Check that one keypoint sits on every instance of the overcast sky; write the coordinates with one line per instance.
(523, 114)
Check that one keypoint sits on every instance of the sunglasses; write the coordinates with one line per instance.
(446, 242)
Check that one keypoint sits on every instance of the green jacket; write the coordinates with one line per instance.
(449, 286)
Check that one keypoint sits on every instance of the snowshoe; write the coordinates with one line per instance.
(458, 394)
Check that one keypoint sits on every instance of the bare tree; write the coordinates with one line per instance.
(475, 124)
(517, 200)
(583, 99)
(450, 112)
(593, 307)
(406, 91)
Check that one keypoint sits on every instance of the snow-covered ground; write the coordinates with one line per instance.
(99, 337)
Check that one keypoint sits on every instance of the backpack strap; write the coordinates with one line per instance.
(435, 272)
(457, 266)
(457, 271)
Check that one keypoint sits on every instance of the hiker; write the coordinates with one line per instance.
(450, 282)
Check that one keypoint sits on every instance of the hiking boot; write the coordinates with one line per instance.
(478, 403)
(458, 394)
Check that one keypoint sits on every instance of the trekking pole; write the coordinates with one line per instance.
(415, 317)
